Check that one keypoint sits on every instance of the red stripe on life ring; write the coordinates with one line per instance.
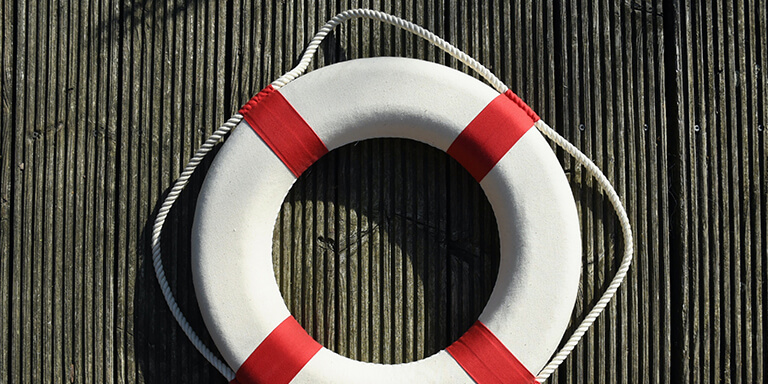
(485, 358)
(289, 136)
(280, 357)
(490, 135)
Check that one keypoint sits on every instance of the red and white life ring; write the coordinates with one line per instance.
(283, 132)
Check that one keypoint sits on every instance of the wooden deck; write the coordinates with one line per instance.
(385, 251)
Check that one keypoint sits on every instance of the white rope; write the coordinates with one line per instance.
(297, 71)
(398, 22)
(613, 197)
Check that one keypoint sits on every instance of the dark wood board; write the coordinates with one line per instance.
(718, 154)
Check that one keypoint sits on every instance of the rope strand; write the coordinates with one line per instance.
(621, 273)
(397, 22)
(297, 71)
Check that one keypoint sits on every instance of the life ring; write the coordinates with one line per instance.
(285, 131)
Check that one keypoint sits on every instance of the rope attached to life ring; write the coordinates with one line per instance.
(484, 72)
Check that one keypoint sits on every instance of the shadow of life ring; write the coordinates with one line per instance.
(284, 131)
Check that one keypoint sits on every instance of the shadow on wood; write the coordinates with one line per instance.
(386, 250)
(139, 12)
(161, 348)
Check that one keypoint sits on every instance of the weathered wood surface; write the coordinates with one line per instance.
(719, 105)
(104, 101)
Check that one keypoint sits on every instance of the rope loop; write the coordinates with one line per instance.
(494, 81)
(435, 40)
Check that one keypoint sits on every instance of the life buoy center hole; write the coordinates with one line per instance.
(386, 250)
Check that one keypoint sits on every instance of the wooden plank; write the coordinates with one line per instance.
(758, 26)
(47, 135)
(113, 166)
(174, 57)
(719, 151)
(129, 227)
(7, 175)
(612, 80)
(46, 123)
(74, 207)
(63, 93)
(19, 306)
(37, 42)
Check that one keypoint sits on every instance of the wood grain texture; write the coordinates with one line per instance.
(719, 154)
(7, 169)
(384, 250)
